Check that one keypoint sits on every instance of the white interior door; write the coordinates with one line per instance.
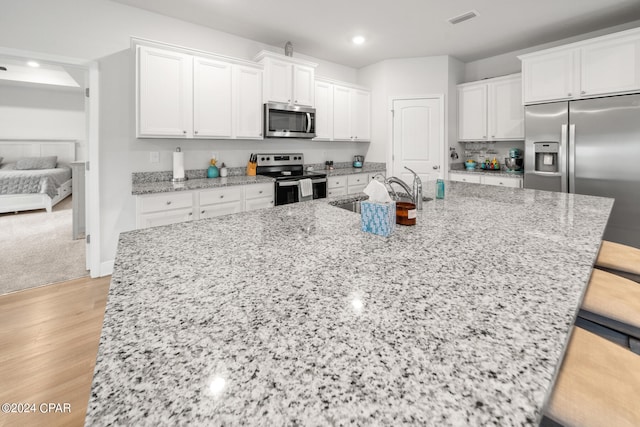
(418, 138)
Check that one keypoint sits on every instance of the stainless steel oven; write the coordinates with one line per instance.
(288, 171)
(289, 121)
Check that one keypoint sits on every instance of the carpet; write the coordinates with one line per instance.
(37, 248)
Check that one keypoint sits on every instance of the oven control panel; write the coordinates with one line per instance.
(280, 159)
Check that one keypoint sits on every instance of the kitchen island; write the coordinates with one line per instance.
(293, 316)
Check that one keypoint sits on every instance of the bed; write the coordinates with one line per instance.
(27, 180)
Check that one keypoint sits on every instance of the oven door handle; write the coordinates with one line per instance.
(295, 183)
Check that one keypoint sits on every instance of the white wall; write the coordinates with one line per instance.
(509, 63)
(409, 77)
(101, 30)
(40, 112)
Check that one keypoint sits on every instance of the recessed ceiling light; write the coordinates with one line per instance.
(358, 40)
(464, 17)
(33, 64)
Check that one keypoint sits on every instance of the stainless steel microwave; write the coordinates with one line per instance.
(289, 121)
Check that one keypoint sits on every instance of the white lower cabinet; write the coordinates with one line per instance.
(163, 209)
(503, 181)
(169, 208)
(474, 179)
(220, 201)
(258, 196)
(357, 182)
(499, 180)
(337, 185)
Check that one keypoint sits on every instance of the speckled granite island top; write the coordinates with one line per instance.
(293, 316)
(196, 184)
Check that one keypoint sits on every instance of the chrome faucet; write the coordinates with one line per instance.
(414, 192)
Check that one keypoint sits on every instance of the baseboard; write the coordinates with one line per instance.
(106, 268)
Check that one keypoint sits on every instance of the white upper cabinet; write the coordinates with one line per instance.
(491, 110)
(606, 65)
(248, 107)
(472, 112)
(610, 66)
(549, 77)
(287, 80)
(180, 95)
(324, 111)
(506, 113)
(212, 101)
(351, 114)
(164, 90)
(360, 115)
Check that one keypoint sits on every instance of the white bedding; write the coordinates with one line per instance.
(37, 181)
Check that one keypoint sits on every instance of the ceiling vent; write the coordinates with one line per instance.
(464, 17)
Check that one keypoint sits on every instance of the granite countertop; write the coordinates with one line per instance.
(160, 182)
(196, 184)
(293, 316)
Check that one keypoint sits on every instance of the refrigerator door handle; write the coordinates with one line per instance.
(572, 158)
(562, 162)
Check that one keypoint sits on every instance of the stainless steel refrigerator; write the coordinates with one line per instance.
(590, 146)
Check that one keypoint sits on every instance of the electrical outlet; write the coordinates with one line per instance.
(154, 157)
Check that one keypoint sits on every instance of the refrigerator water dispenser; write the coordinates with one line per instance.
(546, 156)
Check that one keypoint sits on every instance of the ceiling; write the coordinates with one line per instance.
(15, 71)
(400, 28)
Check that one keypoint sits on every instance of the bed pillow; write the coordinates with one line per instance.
(27, 163)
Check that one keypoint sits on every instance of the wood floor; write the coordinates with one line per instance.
(48, 344)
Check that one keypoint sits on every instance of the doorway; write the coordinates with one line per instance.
(86, 74)
(418, 137)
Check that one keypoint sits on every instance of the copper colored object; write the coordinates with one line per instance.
(406, 213)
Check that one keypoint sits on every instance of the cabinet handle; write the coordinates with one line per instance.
(184, 131)
(196, 132)
(296, 101)
(484, 136)
(583, 93)
(222, 196)
(202, 212)
(271, 202)
(260, 134)
(168, 202)
(288, 100)
(501, 183)
(190, 213)
(569, 94)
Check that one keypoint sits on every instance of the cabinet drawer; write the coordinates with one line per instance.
(336, 181)
(358, 179)
(258, 203)
(165, 201)
(475, 179)
(259, 190)
(156, 219)
(502, 181)
(220, 195)
(219, 209)
(340, 191)
(353, 189)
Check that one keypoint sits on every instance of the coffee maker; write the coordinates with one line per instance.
(514, 162)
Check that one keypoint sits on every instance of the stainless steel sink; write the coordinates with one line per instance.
(353, 206)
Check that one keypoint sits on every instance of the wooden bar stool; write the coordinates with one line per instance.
(614, 302)
(598, 385)
(621, 259)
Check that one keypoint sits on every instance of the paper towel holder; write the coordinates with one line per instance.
(181, 179)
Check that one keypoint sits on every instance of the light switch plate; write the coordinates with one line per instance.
(154, 157)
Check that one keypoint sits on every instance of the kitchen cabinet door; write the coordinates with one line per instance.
(248, 105)
(324, 111)
(549, 77)
(278, 81)
(502, 181)
(505, 109)
(611, 66)
(360, 115)
(303, 85)
(168, 217)
(341, 113)
(212, 103)
(463, 177)
(164, 95)
(472, 112)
